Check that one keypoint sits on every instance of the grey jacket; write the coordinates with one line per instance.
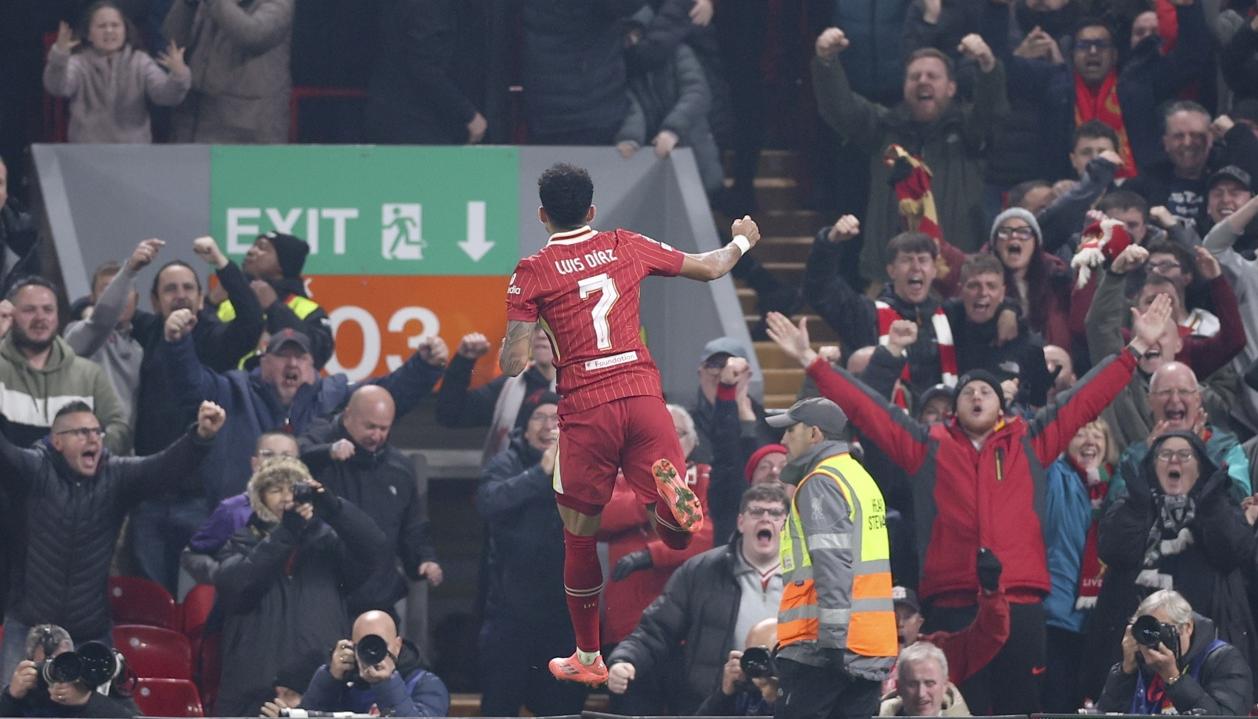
(238, 51)
(99, 339)
(953, 147)
(1243, 274)
(109, 95)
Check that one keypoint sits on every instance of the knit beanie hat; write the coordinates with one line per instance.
(535, 399)
(281, 472)
(291, 251)
(980, 375)
(1021, 214)
(750, 468)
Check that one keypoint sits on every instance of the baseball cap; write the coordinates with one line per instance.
(1231, 172)
(903, 596)
(816, 411)
(287, 336)
(722, 345)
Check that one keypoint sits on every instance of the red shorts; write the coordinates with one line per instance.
(628, 434)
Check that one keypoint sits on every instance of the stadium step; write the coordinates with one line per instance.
(775, 192)
(777, 222)
(818, 329)
(773, 163)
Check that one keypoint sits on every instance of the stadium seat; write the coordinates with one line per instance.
(133, 600)
(195, 609)
(167, 698)
(153, 652)
(209, 668)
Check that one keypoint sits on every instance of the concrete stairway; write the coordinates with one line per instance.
(787, 231)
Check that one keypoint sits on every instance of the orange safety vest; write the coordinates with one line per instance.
(867, 627)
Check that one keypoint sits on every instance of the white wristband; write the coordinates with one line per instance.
(742, 243)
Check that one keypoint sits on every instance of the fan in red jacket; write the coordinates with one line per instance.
(978, 481)
(641, 563)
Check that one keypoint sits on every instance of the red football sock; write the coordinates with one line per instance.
(582, 580)
(671, 535)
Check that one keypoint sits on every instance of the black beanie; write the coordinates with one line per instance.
(291, 250)
(535, 399)
(980, 375)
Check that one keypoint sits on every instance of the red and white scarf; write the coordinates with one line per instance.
(943, 336)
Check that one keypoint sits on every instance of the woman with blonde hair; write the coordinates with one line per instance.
(283, 579)
(1076, 485)
(109, 81)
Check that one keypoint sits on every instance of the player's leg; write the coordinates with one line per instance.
(585, 474)
(655, 467)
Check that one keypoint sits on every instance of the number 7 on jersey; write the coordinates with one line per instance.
(605, 286)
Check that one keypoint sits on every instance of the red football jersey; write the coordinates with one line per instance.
(584, 287)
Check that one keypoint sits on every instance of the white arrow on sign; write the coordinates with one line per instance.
(475, 246)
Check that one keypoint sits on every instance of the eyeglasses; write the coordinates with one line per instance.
(1182, 455)
(1090, 45)
(269, 453)
(1164, 266)
(85, 432)
(1022, 233)
(545, 419)
(758, 512)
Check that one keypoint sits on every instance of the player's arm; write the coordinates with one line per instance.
(712, 265)
(517, 345)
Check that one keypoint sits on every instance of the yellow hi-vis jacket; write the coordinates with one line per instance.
(301, 306)
(836, 571)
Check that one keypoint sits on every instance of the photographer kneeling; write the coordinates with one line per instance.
(377, 673)
(749, 683)
(1172, 658)
(56, 681)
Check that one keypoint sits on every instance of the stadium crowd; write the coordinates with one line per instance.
(1041, 273)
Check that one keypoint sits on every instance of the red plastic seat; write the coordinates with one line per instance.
(133, 600)
(167, 698)
(154, 652)
(195, 609)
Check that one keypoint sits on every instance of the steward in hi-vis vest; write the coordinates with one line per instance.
(837, 637)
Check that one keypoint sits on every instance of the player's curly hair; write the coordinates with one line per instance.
(566, 192)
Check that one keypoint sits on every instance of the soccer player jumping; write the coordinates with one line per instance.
(583, 286)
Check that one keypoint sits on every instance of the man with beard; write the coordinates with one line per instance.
(1178, 183)
(160, 527)
(39, 372)
(951, 138)
(350, 454)
(273, 266)
(861, 322)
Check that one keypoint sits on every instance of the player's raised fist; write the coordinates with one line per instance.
(747, 228)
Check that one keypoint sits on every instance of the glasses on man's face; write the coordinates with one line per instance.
(1094, 45)
(1022, 233)
(1180, 455)
(269, 453)
(758, 512)
(549, 419)
(1164, 266)
(1176, 392)
(84, 433)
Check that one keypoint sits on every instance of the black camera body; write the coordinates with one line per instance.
(92, 664)
(1150, 632)
(370, 651)
(303, 493)
(757, 663)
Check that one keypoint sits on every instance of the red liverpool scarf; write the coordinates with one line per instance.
(1091, 570)
(914, 199)
(1103, 105)
(943, 336)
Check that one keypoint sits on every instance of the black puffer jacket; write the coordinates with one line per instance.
(1222, 688)
(693, 615)
(69, 524)
(574, 67)
(283, 595)
(383, 485)
(1207, 569)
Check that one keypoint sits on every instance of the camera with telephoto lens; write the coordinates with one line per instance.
(303, 493)
(1150, 632)
(92, 664)
(757, 663)
(370, 651)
